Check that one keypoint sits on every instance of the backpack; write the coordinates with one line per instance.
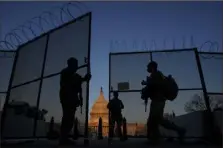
(171, 88)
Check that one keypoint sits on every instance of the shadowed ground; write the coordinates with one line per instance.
(132, 143)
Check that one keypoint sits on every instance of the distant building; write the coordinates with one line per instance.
(19, 115)
(99, 109)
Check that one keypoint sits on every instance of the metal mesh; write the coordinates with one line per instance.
(129, 68)
(182, 65)
(30, 61)
(183, 110)
(71, 41)
(19, 121)
(134, 112)
(216, 101)
(2, 100)
(212, 66)
(50, 102)
(6, 63)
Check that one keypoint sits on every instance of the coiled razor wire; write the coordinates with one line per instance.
(214, 47)
(43, 23)
(60, 15)
(207, 49)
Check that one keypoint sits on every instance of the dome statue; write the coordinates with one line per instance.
(99, 109)
(100, 105)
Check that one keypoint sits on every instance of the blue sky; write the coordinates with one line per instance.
(138, 24)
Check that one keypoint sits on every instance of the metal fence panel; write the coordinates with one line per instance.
(181, 111)
(6, 63)
(20, 113)
(212, 66)
(182, 65)
(30, 61)
(184, 113)
(216, 101)
(50, 102)
(129, 68)
(28, 96)
(71, 41)
(2, 101)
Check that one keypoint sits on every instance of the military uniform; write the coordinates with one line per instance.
(115, 107)
(70, 86)
(156, 89)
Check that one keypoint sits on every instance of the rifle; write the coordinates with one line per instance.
(144, 97)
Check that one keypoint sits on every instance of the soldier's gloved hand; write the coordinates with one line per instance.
(88, 77)
(143, 82)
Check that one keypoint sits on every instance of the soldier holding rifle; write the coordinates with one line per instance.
(159, 89)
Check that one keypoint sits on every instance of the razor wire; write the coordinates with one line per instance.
(45, 22)
(213, 47)
(205, 48)
(60, 15)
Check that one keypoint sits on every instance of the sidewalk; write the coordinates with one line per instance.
(131, 143)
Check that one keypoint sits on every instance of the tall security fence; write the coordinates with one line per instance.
(6, 63)
(32, 97)
(199, 77)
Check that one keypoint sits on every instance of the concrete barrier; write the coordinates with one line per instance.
(192, 122)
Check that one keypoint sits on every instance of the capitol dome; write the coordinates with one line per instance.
(100, 105)
(99, 110)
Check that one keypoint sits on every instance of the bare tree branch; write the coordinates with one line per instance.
(197, 103)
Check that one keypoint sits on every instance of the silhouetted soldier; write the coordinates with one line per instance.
(155, 86)
(70, 97)
(115, 107)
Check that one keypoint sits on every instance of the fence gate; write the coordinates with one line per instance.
(33, 95)
(6, 63)
(128, 69)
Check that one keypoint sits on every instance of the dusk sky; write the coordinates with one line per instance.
(139, 24)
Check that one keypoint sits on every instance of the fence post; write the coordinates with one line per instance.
(4, 111)
(109, 98)
(41, 84)
(206, 98)
(208, 116)
(86, 140)
(100, 136)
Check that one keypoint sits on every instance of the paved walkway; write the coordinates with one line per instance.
(131, 143)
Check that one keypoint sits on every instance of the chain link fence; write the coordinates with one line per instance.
(195, 72)
(33, 95)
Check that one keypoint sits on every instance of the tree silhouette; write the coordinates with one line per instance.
(197, 103)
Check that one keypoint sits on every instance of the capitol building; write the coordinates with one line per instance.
(99, 109)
